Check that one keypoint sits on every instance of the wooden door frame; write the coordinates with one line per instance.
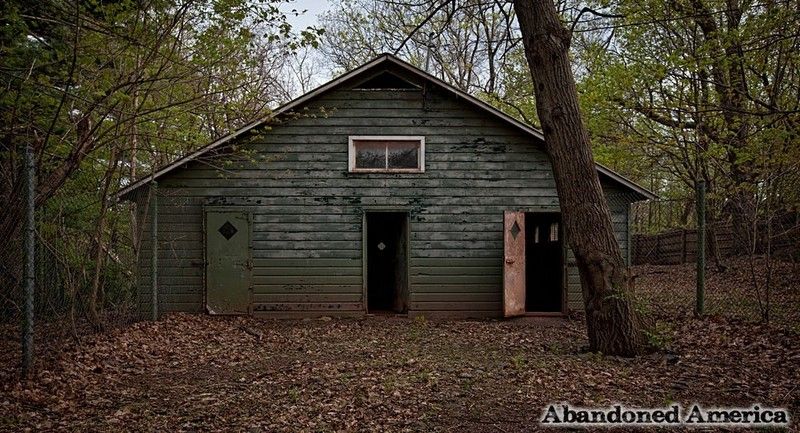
(564, 265)
(248, 211)
(365, 253)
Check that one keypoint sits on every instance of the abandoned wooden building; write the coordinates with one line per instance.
(384, 190)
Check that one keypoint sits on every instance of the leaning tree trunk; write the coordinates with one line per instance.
(613, 325)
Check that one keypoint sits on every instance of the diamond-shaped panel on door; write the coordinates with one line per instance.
(227, 230)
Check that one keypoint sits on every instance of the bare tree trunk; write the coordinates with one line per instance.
(134, 146)
(613, 325)
(100, 250)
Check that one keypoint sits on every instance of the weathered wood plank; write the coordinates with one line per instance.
(272, 194)
(462, 236)
(302, 306)
(353, 254)
(300, 176)
(377, 129)
(456, 304)
(321, 141)
(449, 270)
(309, 298)
(306, 271)
(350, 234)
(306, 279)
(456, 288)
(307, 288)
(307, 209)
(311, 262)
(458, 253)
(544, 180)
(468, 297)
(456, 279)
(421, 262)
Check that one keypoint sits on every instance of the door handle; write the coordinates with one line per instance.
(248, 264)
(510, 261)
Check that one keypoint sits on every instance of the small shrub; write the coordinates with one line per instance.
(660, 335)
(418, 326)
(518, 361)
(294, 394)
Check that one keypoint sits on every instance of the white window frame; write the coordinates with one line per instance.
(351, 153)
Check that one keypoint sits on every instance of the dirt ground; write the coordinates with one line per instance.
(201, 373)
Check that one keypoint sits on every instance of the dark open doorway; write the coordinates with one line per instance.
(544, 263)
(387, 266)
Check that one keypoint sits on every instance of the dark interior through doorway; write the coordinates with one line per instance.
(544, 263)
(387, 266)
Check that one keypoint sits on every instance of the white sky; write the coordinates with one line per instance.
(314, 9)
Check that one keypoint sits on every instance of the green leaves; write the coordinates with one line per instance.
(151, 81)
(681, 89)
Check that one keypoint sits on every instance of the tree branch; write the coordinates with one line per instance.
(593, 12)
(421, 24)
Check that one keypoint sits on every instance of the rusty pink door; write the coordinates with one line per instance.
(513, 264)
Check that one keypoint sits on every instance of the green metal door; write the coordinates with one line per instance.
(229, 267)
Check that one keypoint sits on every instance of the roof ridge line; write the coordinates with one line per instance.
(381, 58)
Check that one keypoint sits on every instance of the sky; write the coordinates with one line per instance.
(314, 8)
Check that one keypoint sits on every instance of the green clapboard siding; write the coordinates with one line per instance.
(306, 209)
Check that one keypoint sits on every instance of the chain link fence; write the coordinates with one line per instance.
(79, 271)
(755, 281)
(85, 247)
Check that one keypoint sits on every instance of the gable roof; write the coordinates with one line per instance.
(385, 59)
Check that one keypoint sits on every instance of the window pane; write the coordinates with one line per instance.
(403, 154)
(553, 232)
(370, 154)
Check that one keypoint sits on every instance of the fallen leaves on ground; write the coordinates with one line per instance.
(195, 372)
(738, 291)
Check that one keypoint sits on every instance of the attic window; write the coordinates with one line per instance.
(386, 80)
(390, 153)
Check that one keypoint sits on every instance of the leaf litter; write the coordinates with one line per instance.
(201, 373)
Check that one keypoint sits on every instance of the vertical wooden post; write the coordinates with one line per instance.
(628, 235)
(684, 252)
(154, 246)
(30, 261)
(701, 248)
(364, 269)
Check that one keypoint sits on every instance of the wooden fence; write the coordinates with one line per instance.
(680, 245)
(677, 246)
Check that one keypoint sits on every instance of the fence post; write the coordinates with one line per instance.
(154, 246)
(684, 255)
(30, 261)
(701, 248)
(629, 234)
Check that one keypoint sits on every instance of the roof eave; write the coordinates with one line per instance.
(123, 192)
(644, 193)
(385, 57)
